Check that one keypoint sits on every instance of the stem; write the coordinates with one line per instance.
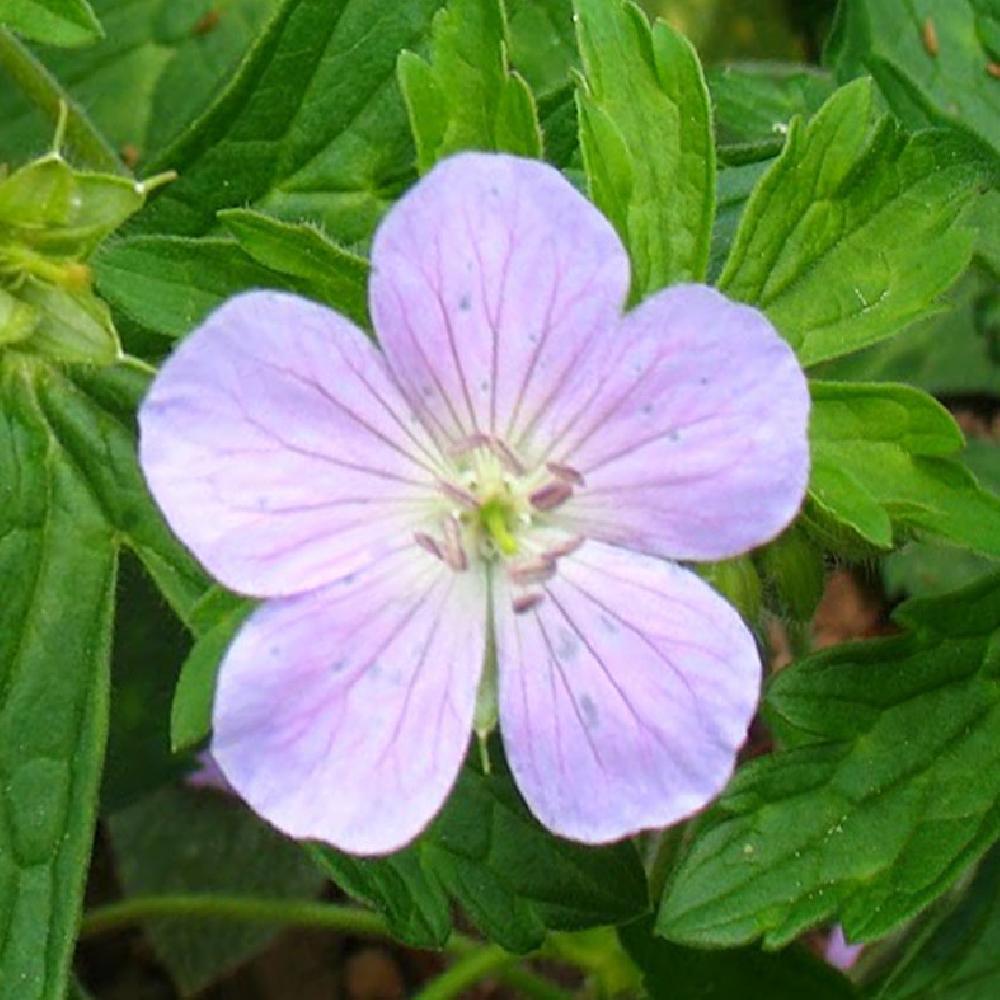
(475, 961)
(43, 90)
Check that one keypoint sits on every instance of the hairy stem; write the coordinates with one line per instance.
(43, 90)
(474, 961)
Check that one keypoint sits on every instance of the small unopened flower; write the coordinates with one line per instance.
(517, 470)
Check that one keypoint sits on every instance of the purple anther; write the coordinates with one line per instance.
(551, 495)
(526, 602)
(566, 473)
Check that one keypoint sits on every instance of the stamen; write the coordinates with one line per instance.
(526, 602)
(503, 451)
(454, 551)
(551, 495)
(464, 498)
(470, 443)
(566, 548)
(565, 472)
(429, 545)
(530, 571)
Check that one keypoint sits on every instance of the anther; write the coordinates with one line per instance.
(453, 550)
(527, 602)
(532, 571)
(467, 444)
(551, 495)
(429, 545)
(461, 496)
(565, 472)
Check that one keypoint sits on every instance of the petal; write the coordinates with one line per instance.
(344, 715)
(694, 446)
(625, 694)
(491, 279)
(279, 448)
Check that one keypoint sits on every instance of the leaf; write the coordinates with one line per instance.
(957, 959)
(182, 840)
(924, 568)
(880, 465)
(543, 43)
(950, 86)
(54, 22)
(325, 271)
(853, 232)
(311, 127)
(883, 791)
(955, 352)
(169, 284)
(754, 102)
(171, 57)
(194, 696)
(55, 636)
(646, 138)
(464, 96)
(672, 972)
(513, 878)
(733, 187)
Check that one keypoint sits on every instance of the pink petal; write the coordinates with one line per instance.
(344, 715)
(694, 446)
(279, 448)
(492, 278)
(839, 952)
(624, 694)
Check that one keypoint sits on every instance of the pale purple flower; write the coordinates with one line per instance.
(839, 952)
(519, 460)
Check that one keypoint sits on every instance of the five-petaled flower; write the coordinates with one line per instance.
(514, 471)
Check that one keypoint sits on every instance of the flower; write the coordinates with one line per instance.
(517, 467)
(839, 952)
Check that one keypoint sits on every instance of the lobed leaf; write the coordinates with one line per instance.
(646, 139)
(883, 791)
(855, 231)
(53, 22)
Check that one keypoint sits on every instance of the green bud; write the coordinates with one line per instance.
(794, 566)
(17, 319)
(72, 326)
(738, 582)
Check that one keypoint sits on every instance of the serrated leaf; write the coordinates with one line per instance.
(646, 138)
(171, 57)
(513, 878)
(327, 272)
(881, 466)
(53, 22)
(464, 95)
(883, 791)
(182, 840)
(169, 284)
(854, 231)
(673, 972)
(311, 127)
(753, 103)
(543, 43)
(936, 75)
(956, 959)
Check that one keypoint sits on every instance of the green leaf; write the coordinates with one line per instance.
(54, 22)
(672, 972)
(171, 57)
(325, 271)
(924, 568)
(55, 636)
(885, 787)
(880, 465)
(513, 878)
(169, 284)
(955, 352)
(950, 86)
(754, 102)
(182, 840)
(956, 959)
(311, 127)
(733, 187)
(465, 96)
(853, 232)
(191, 712)
(646, 138)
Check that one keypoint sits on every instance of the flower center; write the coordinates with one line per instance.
(496, 509)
